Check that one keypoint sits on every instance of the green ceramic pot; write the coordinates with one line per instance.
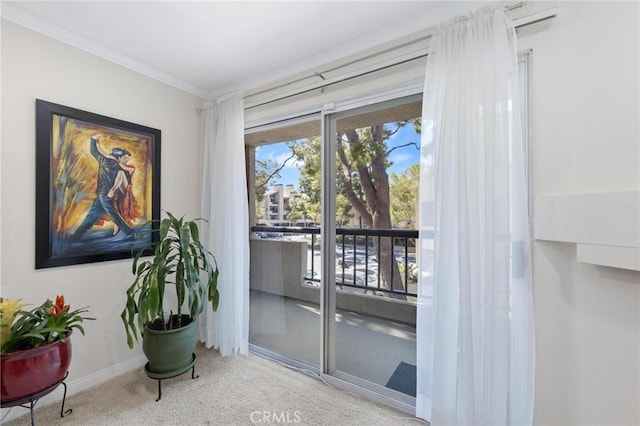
(170, 352)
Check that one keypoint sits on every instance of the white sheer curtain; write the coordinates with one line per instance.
(475, 313)
(224, 205)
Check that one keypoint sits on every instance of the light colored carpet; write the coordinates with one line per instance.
(239, 390)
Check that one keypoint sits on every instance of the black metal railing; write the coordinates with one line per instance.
(357, 254)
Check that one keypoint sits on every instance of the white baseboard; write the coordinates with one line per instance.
(77, 386)
(104, 375)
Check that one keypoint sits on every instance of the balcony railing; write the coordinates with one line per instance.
(357, 253)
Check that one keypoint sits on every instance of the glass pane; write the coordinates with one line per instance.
(285, 253)
(377, 163)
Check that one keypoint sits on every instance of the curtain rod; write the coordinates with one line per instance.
(518, 23)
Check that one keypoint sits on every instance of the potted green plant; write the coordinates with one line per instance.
(169, 334)
(35, 345)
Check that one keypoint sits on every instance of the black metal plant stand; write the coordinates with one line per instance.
(160, 377)
(30, 401)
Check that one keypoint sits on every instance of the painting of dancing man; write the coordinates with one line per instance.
(101, 189)
(111, 181)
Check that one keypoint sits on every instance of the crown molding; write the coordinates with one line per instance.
(15, 15)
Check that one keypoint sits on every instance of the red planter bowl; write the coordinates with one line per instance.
(27, 372)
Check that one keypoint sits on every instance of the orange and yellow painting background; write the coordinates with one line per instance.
(74, 171)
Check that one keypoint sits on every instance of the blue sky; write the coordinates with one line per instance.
(402, 158)
(279, 152)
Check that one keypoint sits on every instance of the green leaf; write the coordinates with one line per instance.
(215, 301)
(154, 296)
(194, 232)
(128, 330)
(164, 228)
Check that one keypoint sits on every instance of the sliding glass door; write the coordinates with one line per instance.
(333, 256)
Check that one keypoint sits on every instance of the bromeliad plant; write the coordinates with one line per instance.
(48, 323)
(180, 260)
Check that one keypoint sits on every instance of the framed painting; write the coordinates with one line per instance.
(97, 187)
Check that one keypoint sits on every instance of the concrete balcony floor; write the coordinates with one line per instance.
(367, 347)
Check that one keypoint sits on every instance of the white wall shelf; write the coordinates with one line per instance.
(605, 226)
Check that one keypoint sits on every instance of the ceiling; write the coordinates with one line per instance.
(212, 48)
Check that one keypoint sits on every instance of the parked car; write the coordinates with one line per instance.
(360, 276)
(312, 278)
(367, 277)
(350, 260)
(269, 235)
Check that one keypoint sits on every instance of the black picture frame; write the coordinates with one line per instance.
(82, 172)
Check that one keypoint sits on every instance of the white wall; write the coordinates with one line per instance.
(34, 66)
(586, 117)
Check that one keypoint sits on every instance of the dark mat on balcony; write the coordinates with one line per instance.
(403, 379)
